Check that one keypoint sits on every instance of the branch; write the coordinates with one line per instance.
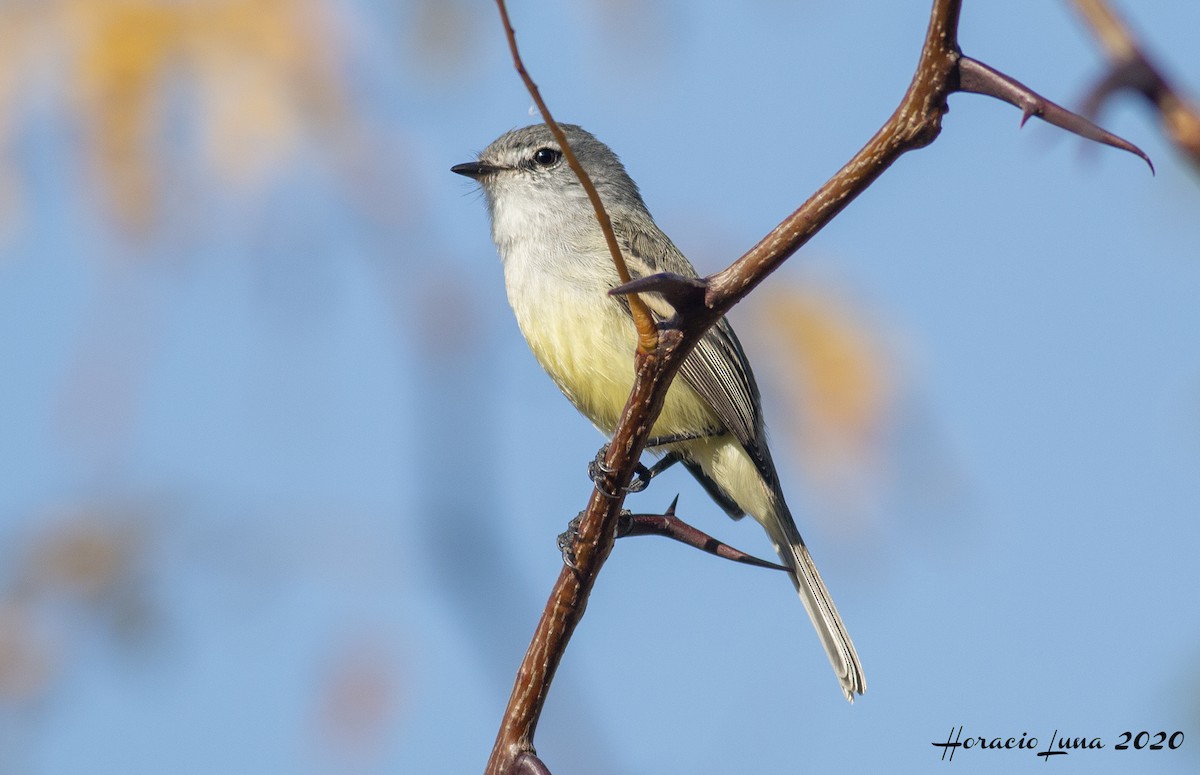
(979, 78)
(699, 303)
(670, 526)
(1131, 70)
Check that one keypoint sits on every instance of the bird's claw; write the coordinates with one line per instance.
(641, 479)
(597, 469)
(567, 539)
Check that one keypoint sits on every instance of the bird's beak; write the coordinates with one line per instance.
(475, 169)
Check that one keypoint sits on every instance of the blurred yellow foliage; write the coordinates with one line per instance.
(830, 364)
(84, 558)
(81, 565)
(257, 73)
(835, 360)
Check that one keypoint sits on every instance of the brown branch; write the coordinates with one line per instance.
(699, 303)
(915, 124)
(647, 338)
(597, 532)
(1132, 70)
(978, 78)
(670, 526)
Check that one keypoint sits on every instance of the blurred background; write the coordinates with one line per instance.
(280, 482)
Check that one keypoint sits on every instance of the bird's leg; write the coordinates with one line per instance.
(676, 438)
(641, 474)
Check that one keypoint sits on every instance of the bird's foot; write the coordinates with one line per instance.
(598, 469)
(567, 539)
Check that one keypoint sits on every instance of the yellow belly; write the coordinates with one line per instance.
(586, 345)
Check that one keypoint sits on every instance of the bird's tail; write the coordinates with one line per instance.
(817, 601)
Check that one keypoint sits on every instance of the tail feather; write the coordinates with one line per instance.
(819, 604)
(747, 483)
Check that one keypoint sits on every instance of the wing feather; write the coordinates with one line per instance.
(717, 369)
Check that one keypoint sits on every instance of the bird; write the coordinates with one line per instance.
(558, 273)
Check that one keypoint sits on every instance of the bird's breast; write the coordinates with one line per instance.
(585, 339)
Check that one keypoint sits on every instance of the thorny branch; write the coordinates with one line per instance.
(1131, 70)
(671, 526)
(699, 303)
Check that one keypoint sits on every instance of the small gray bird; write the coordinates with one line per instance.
(558, 273)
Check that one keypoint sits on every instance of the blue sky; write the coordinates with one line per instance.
(343, 461)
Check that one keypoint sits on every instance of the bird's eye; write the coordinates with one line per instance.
(546, 157)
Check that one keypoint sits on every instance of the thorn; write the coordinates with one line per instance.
(680, 291)
(977, 78)
(529, 764)
(671, 508)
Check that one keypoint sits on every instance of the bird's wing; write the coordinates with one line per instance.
(717, 368)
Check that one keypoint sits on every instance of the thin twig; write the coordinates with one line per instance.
(647, 338)
(670, 526)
